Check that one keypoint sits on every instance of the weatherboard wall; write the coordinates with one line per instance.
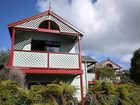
(23, 40)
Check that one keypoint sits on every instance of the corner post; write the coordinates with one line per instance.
(80, 65)
(12, 48)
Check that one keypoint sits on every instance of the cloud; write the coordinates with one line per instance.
(112, 27)
(127, 58)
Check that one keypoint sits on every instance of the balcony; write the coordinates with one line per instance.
(46, 60)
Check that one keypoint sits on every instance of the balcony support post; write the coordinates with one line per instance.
(80, 65)
(82, 89)
(12, 48)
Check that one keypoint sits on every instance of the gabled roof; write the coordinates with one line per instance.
(108, 61)
(88, 59)
(34, 21)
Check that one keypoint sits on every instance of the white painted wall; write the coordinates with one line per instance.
(76, 82)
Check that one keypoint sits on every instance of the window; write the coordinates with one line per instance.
(38, 45)
(48, 24)
(43, 45)
(109, 65)
(53, 46)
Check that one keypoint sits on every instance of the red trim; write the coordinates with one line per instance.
(48, 30)
(47, 52)
(82, 89)
(27, 19)
(62, 20)
(24, 67)
(80, 66)
(80, 57)
(42, 14)
(91, 82)
(12, 48)
(45, 71)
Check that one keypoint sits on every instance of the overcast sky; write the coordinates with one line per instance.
(112, 27)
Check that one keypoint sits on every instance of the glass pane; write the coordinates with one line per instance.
(53, 49)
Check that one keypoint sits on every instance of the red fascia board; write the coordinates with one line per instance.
(42, 30)
(48, 30)
(39, 15)
(61, 19)
(40, 71)
(48, 52)
(27, 19)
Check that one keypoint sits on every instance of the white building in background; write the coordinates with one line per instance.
(89, 66)
(88, 78)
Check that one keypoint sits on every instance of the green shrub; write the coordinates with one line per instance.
(12, 94)
(107, 94)
(37, 93)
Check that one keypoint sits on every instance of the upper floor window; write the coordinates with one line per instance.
(48, 24)
(43, 45)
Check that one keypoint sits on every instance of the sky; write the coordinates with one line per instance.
(112, 27)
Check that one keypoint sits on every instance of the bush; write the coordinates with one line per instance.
(37, 93)
(12, 94)
(108, 94)
(13, 74)
(17, 75)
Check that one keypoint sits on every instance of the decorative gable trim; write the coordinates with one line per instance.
(103, 63)
(34, 22)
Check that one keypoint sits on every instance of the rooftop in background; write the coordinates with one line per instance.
(108, 61)
(88, 59)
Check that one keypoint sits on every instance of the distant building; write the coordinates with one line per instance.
(107, 63)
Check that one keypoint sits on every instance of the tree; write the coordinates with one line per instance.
(4, 56)
(106, 74)
(135, 66)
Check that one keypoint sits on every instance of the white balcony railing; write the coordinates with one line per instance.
(46, 60)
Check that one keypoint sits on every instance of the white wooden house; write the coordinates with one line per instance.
(43, 46)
